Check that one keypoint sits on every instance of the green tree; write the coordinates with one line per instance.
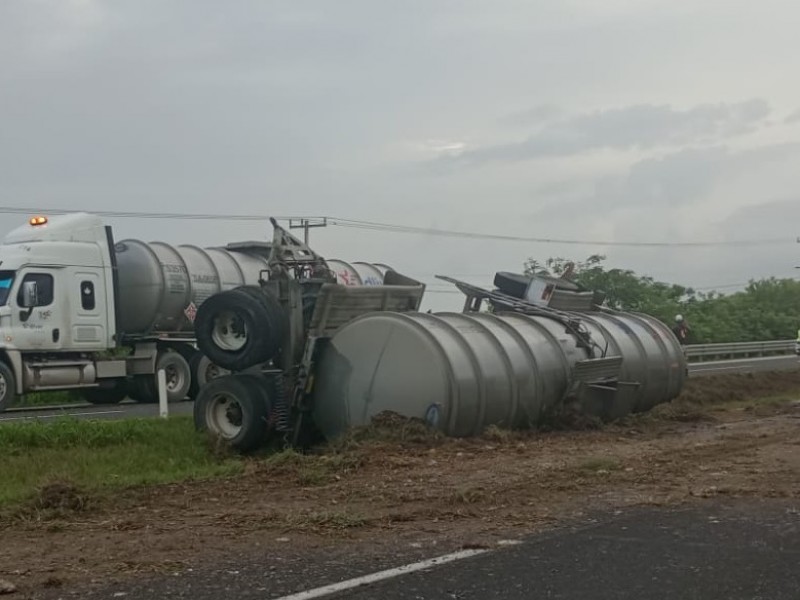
(766, 309)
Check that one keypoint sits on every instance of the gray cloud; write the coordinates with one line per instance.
(643, 126)
(776, 218)
(532, 116)
(325, 108)
(659, 186)
(793, 117)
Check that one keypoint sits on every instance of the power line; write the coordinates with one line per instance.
(145, 215)
(407, 229)
(387, 227)
(719, 287)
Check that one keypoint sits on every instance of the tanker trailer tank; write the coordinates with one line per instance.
(247, 325)
(158, 282)
(358, 273)
(465, 372)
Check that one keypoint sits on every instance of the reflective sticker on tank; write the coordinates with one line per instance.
(432, 415)
(345, 277)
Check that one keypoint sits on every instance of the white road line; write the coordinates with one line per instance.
(85, 414)
(381, 575)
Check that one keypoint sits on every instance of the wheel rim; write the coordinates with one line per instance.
(213, 371)
(176, 377)
(229, 332)
(207, 370)
(3, 387)
(224, 415)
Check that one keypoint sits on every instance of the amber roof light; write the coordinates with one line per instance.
(38, 221)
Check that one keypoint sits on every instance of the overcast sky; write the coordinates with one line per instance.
(621, 120)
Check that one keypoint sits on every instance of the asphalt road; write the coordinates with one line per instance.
(125, 410)
(134, 410)
(749, 550)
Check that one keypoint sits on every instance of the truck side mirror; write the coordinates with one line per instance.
(30, 294)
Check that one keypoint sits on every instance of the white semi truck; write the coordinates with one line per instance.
(79, 311)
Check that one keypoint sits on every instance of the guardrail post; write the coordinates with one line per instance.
(163, 405)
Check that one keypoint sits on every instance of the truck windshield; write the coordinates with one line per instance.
(6, 281)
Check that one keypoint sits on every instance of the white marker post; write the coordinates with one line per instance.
(162, 394)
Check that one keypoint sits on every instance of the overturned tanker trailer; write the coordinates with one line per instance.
(511, 367)
(322, 357)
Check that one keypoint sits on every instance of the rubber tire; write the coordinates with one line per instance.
(114, 393)
(194, 386)
(263, 320)
(250, 393)
(198, 365)
(8, 397)
(273, 311)
(274, 314)
(145, 387)
(252, 312)
(187, 351)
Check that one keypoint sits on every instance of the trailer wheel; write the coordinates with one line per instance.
(273, 314)
(107, 392)
(178, 374)
(8, 387)
(237, 329)
(203, 371)
(277, 316)
(235, 409)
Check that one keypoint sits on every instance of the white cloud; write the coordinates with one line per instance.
(639, 127)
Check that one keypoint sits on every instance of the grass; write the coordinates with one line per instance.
(74, 460)
(49, 398)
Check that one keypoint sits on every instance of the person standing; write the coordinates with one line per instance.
(681, 330)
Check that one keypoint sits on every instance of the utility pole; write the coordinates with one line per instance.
(306, 224)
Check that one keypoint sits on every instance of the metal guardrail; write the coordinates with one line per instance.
(701, 352)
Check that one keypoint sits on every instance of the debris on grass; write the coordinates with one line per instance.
(388, 428)
(60, 496)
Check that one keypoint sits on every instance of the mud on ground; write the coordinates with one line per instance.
(395, 483)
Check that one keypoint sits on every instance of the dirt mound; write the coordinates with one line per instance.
(389, 427)
(727, 388)
(60, 497)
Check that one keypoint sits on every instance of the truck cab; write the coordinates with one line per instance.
(56, 300)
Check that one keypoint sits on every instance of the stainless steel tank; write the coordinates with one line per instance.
(358, 273)
(465, 372)
(158, 282)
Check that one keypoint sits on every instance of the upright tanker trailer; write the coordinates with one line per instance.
(81, 311)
